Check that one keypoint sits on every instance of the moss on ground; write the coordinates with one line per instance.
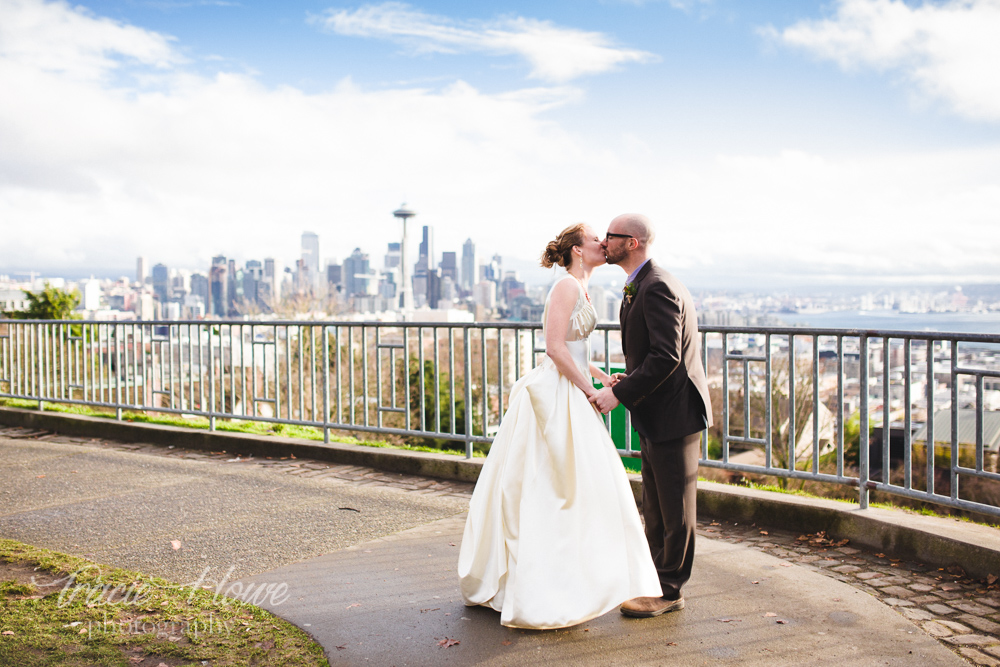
(78, 612)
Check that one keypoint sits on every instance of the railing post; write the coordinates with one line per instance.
(118, 372)
(467, 353)
(863, 444)
(725, 400)
(211, 376)
(326, 386)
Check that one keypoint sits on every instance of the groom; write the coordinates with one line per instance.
(666, 392)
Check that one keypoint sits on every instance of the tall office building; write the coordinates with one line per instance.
(219, 279)
(253, 276)
(334, 277)
(234, 281)
(427, 247)
(449, 266)
(469, 277)
(310, 255)
(356, 274)
(273, 276)
(393, 257)
(200, 287)
(141, 270)
(433, 288)
(161, 282)
(511, 287)
(425, 262)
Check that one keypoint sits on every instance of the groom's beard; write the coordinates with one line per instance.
(612, 257)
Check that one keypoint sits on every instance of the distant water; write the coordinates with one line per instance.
(986, 323)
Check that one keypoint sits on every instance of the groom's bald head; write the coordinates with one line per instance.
(636, 225)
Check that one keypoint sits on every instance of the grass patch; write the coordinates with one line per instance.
(231, 426)
(82, 613)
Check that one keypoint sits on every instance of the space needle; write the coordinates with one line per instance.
(406, 296)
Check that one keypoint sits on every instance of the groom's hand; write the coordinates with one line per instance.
(605, 400)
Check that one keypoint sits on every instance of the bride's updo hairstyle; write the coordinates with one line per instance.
(560, 251)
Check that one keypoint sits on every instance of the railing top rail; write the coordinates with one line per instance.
(869, 333)
(605, 326)
(297, 323)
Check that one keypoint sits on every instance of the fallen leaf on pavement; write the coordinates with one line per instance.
(349, 509)
(754, 582)
(176, 544)
(39, 476)
(452, 544)
(727, 620)
(770, 613)
(356, 604)
(445, 643)
(342, 647)
(764, 532)
(781, 622)
(671, 643)
(506, 642)
(785, 564)
(425, 610)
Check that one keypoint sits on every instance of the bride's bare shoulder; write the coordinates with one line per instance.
(565, 289)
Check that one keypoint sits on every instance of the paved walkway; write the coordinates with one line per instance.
(369, 559)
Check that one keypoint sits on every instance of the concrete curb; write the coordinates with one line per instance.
(937, 541)
(932, 540)
(392, 460)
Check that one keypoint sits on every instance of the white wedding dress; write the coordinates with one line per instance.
(553, 537)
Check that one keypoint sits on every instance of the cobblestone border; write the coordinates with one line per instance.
(959, 611)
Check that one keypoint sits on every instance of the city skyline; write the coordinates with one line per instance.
(848, 142)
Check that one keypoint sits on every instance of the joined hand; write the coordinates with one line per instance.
(605, 400)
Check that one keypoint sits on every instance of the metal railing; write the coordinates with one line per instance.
(791, 403)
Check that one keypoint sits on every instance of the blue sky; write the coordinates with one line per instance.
(848, 141)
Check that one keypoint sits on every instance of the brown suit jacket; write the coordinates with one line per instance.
(665, 389)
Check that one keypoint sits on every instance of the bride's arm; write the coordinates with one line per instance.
(562, 301)
(601, 376)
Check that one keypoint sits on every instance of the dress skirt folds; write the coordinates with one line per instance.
(553, 537)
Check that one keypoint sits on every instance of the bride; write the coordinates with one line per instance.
(553, 536)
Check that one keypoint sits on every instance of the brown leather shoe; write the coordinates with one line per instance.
(649, 607)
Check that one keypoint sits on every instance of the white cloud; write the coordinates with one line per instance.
(93, 174)
(556, 54)
(683, 5)
(53, 37)
(950, 50)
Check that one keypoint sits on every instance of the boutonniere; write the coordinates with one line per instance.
(629, 291)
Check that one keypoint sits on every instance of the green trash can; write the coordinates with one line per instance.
(618, 420)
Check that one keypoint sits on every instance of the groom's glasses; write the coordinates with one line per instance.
(609, 236)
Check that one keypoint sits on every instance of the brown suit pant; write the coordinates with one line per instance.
(669, 499)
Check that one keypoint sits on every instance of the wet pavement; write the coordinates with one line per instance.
(369, 560)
